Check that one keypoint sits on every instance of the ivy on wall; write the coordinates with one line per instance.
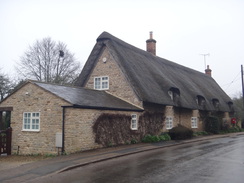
(115, 129)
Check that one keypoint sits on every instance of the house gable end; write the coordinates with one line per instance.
(107, 65)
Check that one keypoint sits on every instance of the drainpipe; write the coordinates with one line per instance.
(63, 130)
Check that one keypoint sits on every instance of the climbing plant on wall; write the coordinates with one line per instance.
(114, 129)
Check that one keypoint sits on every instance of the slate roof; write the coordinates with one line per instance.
(152, 77)
(87, 98)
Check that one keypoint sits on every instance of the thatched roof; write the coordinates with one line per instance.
(153, 77)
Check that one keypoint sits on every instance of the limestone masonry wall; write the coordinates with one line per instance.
(79, 134)
(118, 84)
(31, 98)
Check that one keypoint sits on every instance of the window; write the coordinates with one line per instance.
(169, 122)
(215, 103)
(230, 104)
(201, 100)
(194, 122)
(174, 93)
(133, 122)
(101, 83)
(31, 121)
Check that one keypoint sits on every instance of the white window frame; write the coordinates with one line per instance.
(194, 122)
(31, 121)
(100, 84)
(134, 124)
(169, 122)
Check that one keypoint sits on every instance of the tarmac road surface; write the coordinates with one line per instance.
(212, 161)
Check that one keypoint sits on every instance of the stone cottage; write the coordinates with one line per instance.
(122, 94)
(153, 83)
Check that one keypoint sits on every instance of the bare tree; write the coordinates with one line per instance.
(6, 85)
(49, 61)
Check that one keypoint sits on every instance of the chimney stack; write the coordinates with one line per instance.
(208, 71)
(151, 44)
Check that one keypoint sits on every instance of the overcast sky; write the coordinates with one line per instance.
(183, 29)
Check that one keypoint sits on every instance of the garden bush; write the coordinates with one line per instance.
(212, 124)
(200, 133)
(180, 132)
(156, 138)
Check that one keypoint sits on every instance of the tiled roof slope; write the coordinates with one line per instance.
(87, 98)
(152, 77)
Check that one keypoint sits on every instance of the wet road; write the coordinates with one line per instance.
(214, 161)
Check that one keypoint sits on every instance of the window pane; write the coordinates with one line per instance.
(97, 83)
(133, 122)
(104, 85)
(31, 121)
(169, 122)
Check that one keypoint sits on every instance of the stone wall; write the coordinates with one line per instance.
(31, 98)
(183, 117)
(79, 134)
(118, 83)
(78, 122)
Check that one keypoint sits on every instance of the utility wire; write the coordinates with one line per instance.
(234, 80)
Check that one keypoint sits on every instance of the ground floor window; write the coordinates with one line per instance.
(194, 122)
(31, 121)
(169, 122)
(134, 124)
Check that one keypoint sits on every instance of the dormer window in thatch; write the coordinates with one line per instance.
(174, 93)
(215, 102)
(201, 100)
(230, 104)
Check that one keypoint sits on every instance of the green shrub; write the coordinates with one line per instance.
(133, 141)
(200, 133)
(180, 132)
(156, 138)
(165, 136)
(212, 124)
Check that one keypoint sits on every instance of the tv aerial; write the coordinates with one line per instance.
(204, 56)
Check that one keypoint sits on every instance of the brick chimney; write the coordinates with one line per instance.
(208, 71)
(151, 44)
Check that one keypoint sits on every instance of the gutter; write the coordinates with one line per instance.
(105, 108)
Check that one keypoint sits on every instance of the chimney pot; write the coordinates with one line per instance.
(151, 35)
(208, 71)
(151, 44)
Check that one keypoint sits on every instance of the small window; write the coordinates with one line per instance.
(169, 122)
(230, 104)
(134, 122)
(31, 121)
(201, 100)
(174, 93)
(171, 94)
(194, 122)
(215, 103)
(101, 83)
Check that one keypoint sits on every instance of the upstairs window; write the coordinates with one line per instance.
(230, 104)
(174, 93)
(215, 103)
(134, 125)
(201, 100)
(101, 83)
(31, 121)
